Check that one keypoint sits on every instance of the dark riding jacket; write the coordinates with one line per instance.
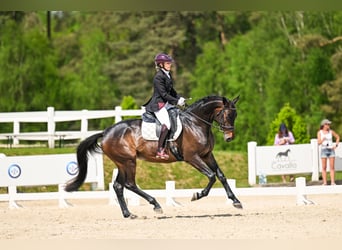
(163, 92)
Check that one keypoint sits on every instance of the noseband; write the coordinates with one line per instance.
(222, 127)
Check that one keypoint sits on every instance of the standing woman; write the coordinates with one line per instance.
(325, 139)
(163, 96)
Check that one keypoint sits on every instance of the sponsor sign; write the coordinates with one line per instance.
(45, 169)
(285, 159)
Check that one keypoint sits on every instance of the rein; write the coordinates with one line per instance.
(220, 127)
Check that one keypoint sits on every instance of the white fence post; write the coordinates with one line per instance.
(51, 126)
(300, 189)
(170, 188)
(98, 160)
(315, 160)
(118, 117)
(16, 131)
(61, 199)
(84, 125)
(12, 192)
(252, 162)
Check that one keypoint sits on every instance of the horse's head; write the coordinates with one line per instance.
(215, 108)
(226, 117)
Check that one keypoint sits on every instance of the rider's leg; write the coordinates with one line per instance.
(161, 143)
(163, 116)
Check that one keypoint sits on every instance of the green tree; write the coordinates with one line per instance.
(128, 102)
(28, 72)
(135, 38)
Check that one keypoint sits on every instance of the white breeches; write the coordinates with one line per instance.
(163, 116)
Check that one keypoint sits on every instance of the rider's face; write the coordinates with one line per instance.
(167, 65)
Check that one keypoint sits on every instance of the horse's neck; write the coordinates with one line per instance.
(206, 111)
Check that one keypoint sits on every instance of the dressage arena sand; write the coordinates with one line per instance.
(263, 217)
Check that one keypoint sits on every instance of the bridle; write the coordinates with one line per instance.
(220, 127)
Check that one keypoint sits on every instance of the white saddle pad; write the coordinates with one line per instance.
(148, 131)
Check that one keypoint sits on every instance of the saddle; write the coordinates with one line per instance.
(151, 126)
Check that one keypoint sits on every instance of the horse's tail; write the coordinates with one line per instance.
(89, 145)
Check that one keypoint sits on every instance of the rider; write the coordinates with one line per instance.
(163, 96)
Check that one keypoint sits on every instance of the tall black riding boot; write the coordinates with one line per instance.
(161, 143)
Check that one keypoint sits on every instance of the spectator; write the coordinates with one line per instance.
(284, 137)
(325, 139)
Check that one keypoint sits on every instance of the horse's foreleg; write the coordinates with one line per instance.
(204, 169)
(206, 190)
(230, 194)
(220, 175)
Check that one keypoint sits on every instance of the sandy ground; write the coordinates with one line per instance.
(210, 218)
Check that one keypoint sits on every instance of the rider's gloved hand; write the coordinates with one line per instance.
(181, 101)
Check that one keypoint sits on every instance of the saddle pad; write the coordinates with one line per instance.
(148, 131)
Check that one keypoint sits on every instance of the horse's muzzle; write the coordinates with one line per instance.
(228, 136)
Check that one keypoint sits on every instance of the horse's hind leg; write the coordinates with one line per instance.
(126, 179)
(119, 193)
(132, 187)
(119, 188)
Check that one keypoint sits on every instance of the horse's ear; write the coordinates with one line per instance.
(225, 101)
(235, 100)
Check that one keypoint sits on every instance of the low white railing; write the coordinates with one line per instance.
(51, 117)
(300, 193)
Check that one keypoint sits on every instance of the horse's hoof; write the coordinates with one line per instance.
(237, 205)
(194, 197)
(158, 210)
(126, 214)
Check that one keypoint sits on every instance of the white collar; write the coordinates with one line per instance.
(166, 72)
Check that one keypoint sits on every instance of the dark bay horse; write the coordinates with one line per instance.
(123, 144)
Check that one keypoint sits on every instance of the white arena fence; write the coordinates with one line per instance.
(51, 117)
(44, 170)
